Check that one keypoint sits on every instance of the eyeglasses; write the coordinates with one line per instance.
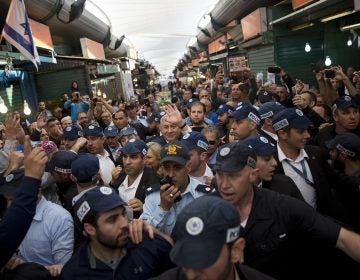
(212, 142)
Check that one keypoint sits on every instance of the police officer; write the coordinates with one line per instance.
(275, 225)
(108, 253)
(208, 243)
(164, 203)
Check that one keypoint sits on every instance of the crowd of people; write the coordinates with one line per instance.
(232, 180)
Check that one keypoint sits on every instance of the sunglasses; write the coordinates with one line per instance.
(212, 142)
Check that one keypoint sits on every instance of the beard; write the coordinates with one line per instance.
(120, 241)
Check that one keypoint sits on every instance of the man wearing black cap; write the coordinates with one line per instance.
(208, 243)
(345, 156)
(108, 253)
(136, 178)
(305, 164)
(346, 119)
(95, 145)
(245, 121)
(267, 113)
(278, 229)
(163, 205)
(266, 163)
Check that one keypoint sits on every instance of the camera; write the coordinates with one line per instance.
(329, 73)
(274, 69)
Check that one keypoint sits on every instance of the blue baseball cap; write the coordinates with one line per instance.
(347, 143)
(193, 140)
(246, 111)
(261, 145)
(72, 132)
(344, 102)
(111, 131)
(291, 117)
(61, 162)
(156, 116)
(201, 230)
(270, 109)
(93, 130)
(265, 96)
(128, 130)
(85, 167)
(95, 200)
(191, 101)
(224, 108)
(134, 146)
(234, 156)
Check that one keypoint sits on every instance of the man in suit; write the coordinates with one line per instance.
(305, 164)
(134, 178)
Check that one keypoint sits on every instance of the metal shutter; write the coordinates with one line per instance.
(260, 59)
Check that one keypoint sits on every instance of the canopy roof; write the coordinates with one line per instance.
(159, 29)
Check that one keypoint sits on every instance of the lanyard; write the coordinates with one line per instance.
(302, 173)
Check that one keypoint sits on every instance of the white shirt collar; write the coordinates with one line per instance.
(283, 157)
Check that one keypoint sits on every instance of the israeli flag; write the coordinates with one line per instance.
(17, 31)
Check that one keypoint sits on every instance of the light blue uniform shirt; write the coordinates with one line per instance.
(50, 238)
(165, 220)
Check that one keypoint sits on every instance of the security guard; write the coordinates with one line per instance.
(163, 203)
(108, 253)
(279, 230)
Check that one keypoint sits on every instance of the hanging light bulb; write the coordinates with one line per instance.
(104, 95)
(3, 108)
(349, 42)
(307, 47)
(27, 110)
(328, 61)
(98, 92)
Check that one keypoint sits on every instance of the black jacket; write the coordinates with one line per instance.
(283, 184)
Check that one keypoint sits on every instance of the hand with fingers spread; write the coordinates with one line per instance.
(41, 120)
(12, 125)
(173, 115)
(35, 160)
(137, 227)
(16, 160)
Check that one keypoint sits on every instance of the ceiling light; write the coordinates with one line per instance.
(352, 26)
(302, 26)
(3, 108)
(307, 47)
(335, 16)
(27, 110)
(328, 61)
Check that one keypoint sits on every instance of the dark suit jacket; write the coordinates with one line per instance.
(149, 178)
(283, 184)
(317, 161)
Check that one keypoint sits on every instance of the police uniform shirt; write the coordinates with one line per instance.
(307, 191)
(165, 220)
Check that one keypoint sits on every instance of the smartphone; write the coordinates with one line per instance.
(168, 180)
(274, 69)
(329, 73)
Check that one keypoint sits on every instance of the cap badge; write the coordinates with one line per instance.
(106, 190)
(299, 112)
(171, 150)
(9, 178)
(232, 234)
(263, 139)
(68, 128)
(132, 140)
(91, 127)
(221, 106)
(109, 128)
(224, 151)
(347, 98)
(162, 113)
(194, 226)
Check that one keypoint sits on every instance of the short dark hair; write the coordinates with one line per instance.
(198, 103)
(119, 111)
(51, 119)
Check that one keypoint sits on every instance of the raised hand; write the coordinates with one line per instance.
(35, 160)
(173, 115)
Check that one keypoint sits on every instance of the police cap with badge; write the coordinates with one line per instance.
(85, 168)
(348, 143)
(111, 131)
(291, 117)
(94, 131)
(134, 146)
(128, 130)
(246, 110)
(195, 140)
(344, 102)
(224, 108)
(202, 228)
(95, 200)
(61, 162)
(156, 117)
(261, 145)
(72, 132)
(270, 109)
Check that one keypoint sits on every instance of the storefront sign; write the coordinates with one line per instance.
(107, 69)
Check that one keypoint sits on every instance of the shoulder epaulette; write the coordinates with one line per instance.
(204, 188)
(152, 188)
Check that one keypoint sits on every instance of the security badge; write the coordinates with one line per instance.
(232, 234)
(347, 98)
(299, 112)
(224, 151)
(172, 149)
(280, 124)
(106, 190)
(68, 128)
